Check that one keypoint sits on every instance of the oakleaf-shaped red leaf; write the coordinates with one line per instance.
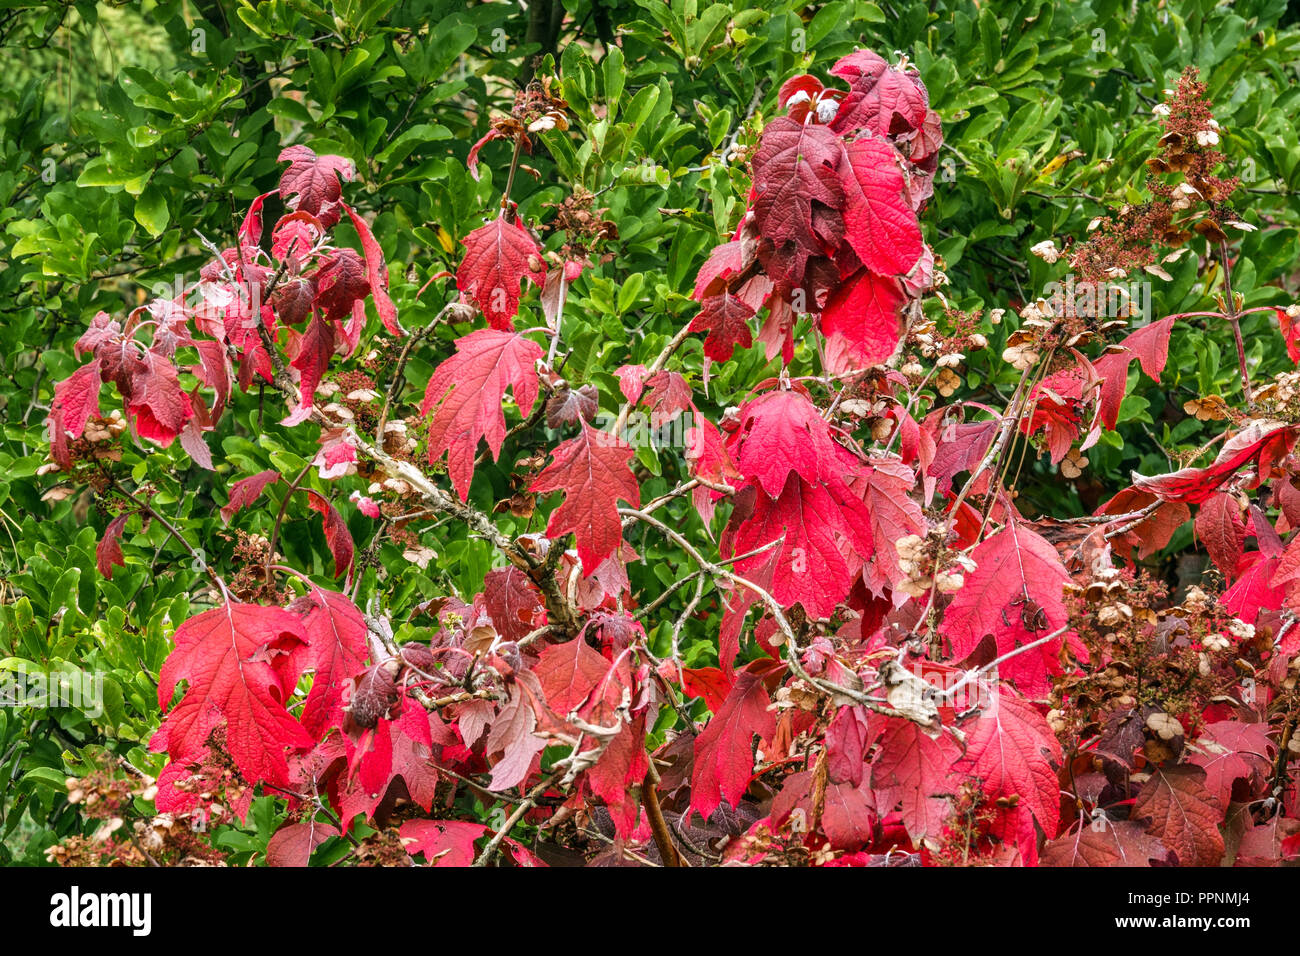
(292, 844)
(913, 768)
(499, 257)
(513, 602)
(1104, 843)
(336, 652)
(341, 283)
(1016, 594)
(442, 842)
(156, 401)
(1183, 814)
(247, 490)
(466, 393)
(311, 183)
(569, 672)
(337, 535)
(724, 751)
(797, 192)
(809, 568)
(860, 322)
(887, 101)
(376, 273)
(669, 396)
(592, 471)
(781, 432)
(1012, 749)
(878, 219)
(725, 316)
(238, 661)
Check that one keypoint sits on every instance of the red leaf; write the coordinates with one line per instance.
(336, 652)
(293, 843)
(781, 432)
(156, 400)
(443, 842)
(311, 183)
(809, 568)
(1012, 749)
(76, 401)
(880, 98)
(861, 322)
(670, 395)
(725, 316)
(707, 682)
(1015, 593)
(214, 370)
(724, 751)
(1183, 814)
(499, 257)
(109, 550)
(913, 768)
(376, 274)
(568, 673)
(337, 535)
(1261, 443)
(878, 219)
(1154, 532)
(341, 283)
(513, 602)
(512, 741)
(885, 490)
(247, 490)
(465, 394)
(1290, 334)
(1252, 591)
(1110, 843)
(592, 471)
(238, 660)
(795, 186)
(1231, 750)
(1221, 529)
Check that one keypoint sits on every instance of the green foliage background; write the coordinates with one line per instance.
(132, 133)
